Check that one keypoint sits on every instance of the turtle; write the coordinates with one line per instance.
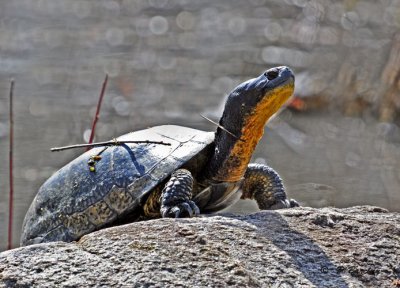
(175, 171)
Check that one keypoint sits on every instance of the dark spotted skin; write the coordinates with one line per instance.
(152, 206)
(263, 184)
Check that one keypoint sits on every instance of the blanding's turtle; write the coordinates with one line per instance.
(197, 172)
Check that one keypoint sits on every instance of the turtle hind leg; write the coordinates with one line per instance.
(263, 184)
(176, 196)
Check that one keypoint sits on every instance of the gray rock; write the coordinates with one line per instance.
(302, 247)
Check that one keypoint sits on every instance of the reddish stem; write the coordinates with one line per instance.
(96, 117)
(11, 180)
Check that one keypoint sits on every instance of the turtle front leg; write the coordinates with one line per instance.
(263, 184)
(176, 196)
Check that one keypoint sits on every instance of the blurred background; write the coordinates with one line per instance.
(337, 143)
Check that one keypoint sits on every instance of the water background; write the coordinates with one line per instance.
(171, 60)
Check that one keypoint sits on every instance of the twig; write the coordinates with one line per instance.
(11, 180)
(107, 143)
(220, 126)
(96, 117)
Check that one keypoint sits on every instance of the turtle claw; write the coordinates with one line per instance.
(184, 209)
(282, 204)
(293, 203)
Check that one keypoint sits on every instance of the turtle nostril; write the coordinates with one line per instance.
(272, 74)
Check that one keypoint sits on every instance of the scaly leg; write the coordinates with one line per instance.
(264, 185)
(176, 196)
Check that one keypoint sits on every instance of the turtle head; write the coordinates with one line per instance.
(256, 100)
(247, 110)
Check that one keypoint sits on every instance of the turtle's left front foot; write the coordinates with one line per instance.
(263, 184)
(282, 204)
(176, 195)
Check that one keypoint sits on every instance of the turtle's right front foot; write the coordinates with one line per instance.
(176, 195)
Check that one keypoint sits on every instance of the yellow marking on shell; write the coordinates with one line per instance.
(235, 166)
(99, 213)
(76, 223)
(118, 199)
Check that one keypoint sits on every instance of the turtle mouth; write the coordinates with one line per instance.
(278, 76)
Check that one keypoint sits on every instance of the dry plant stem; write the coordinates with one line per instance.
(223, 128)
(96, 117)
(107, 143)
(11, 180)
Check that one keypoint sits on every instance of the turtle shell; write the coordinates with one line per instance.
(75, 201)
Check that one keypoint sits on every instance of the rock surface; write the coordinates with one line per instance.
(302, 247)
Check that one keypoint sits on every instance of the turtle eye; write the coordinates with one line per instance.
(271, 74)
